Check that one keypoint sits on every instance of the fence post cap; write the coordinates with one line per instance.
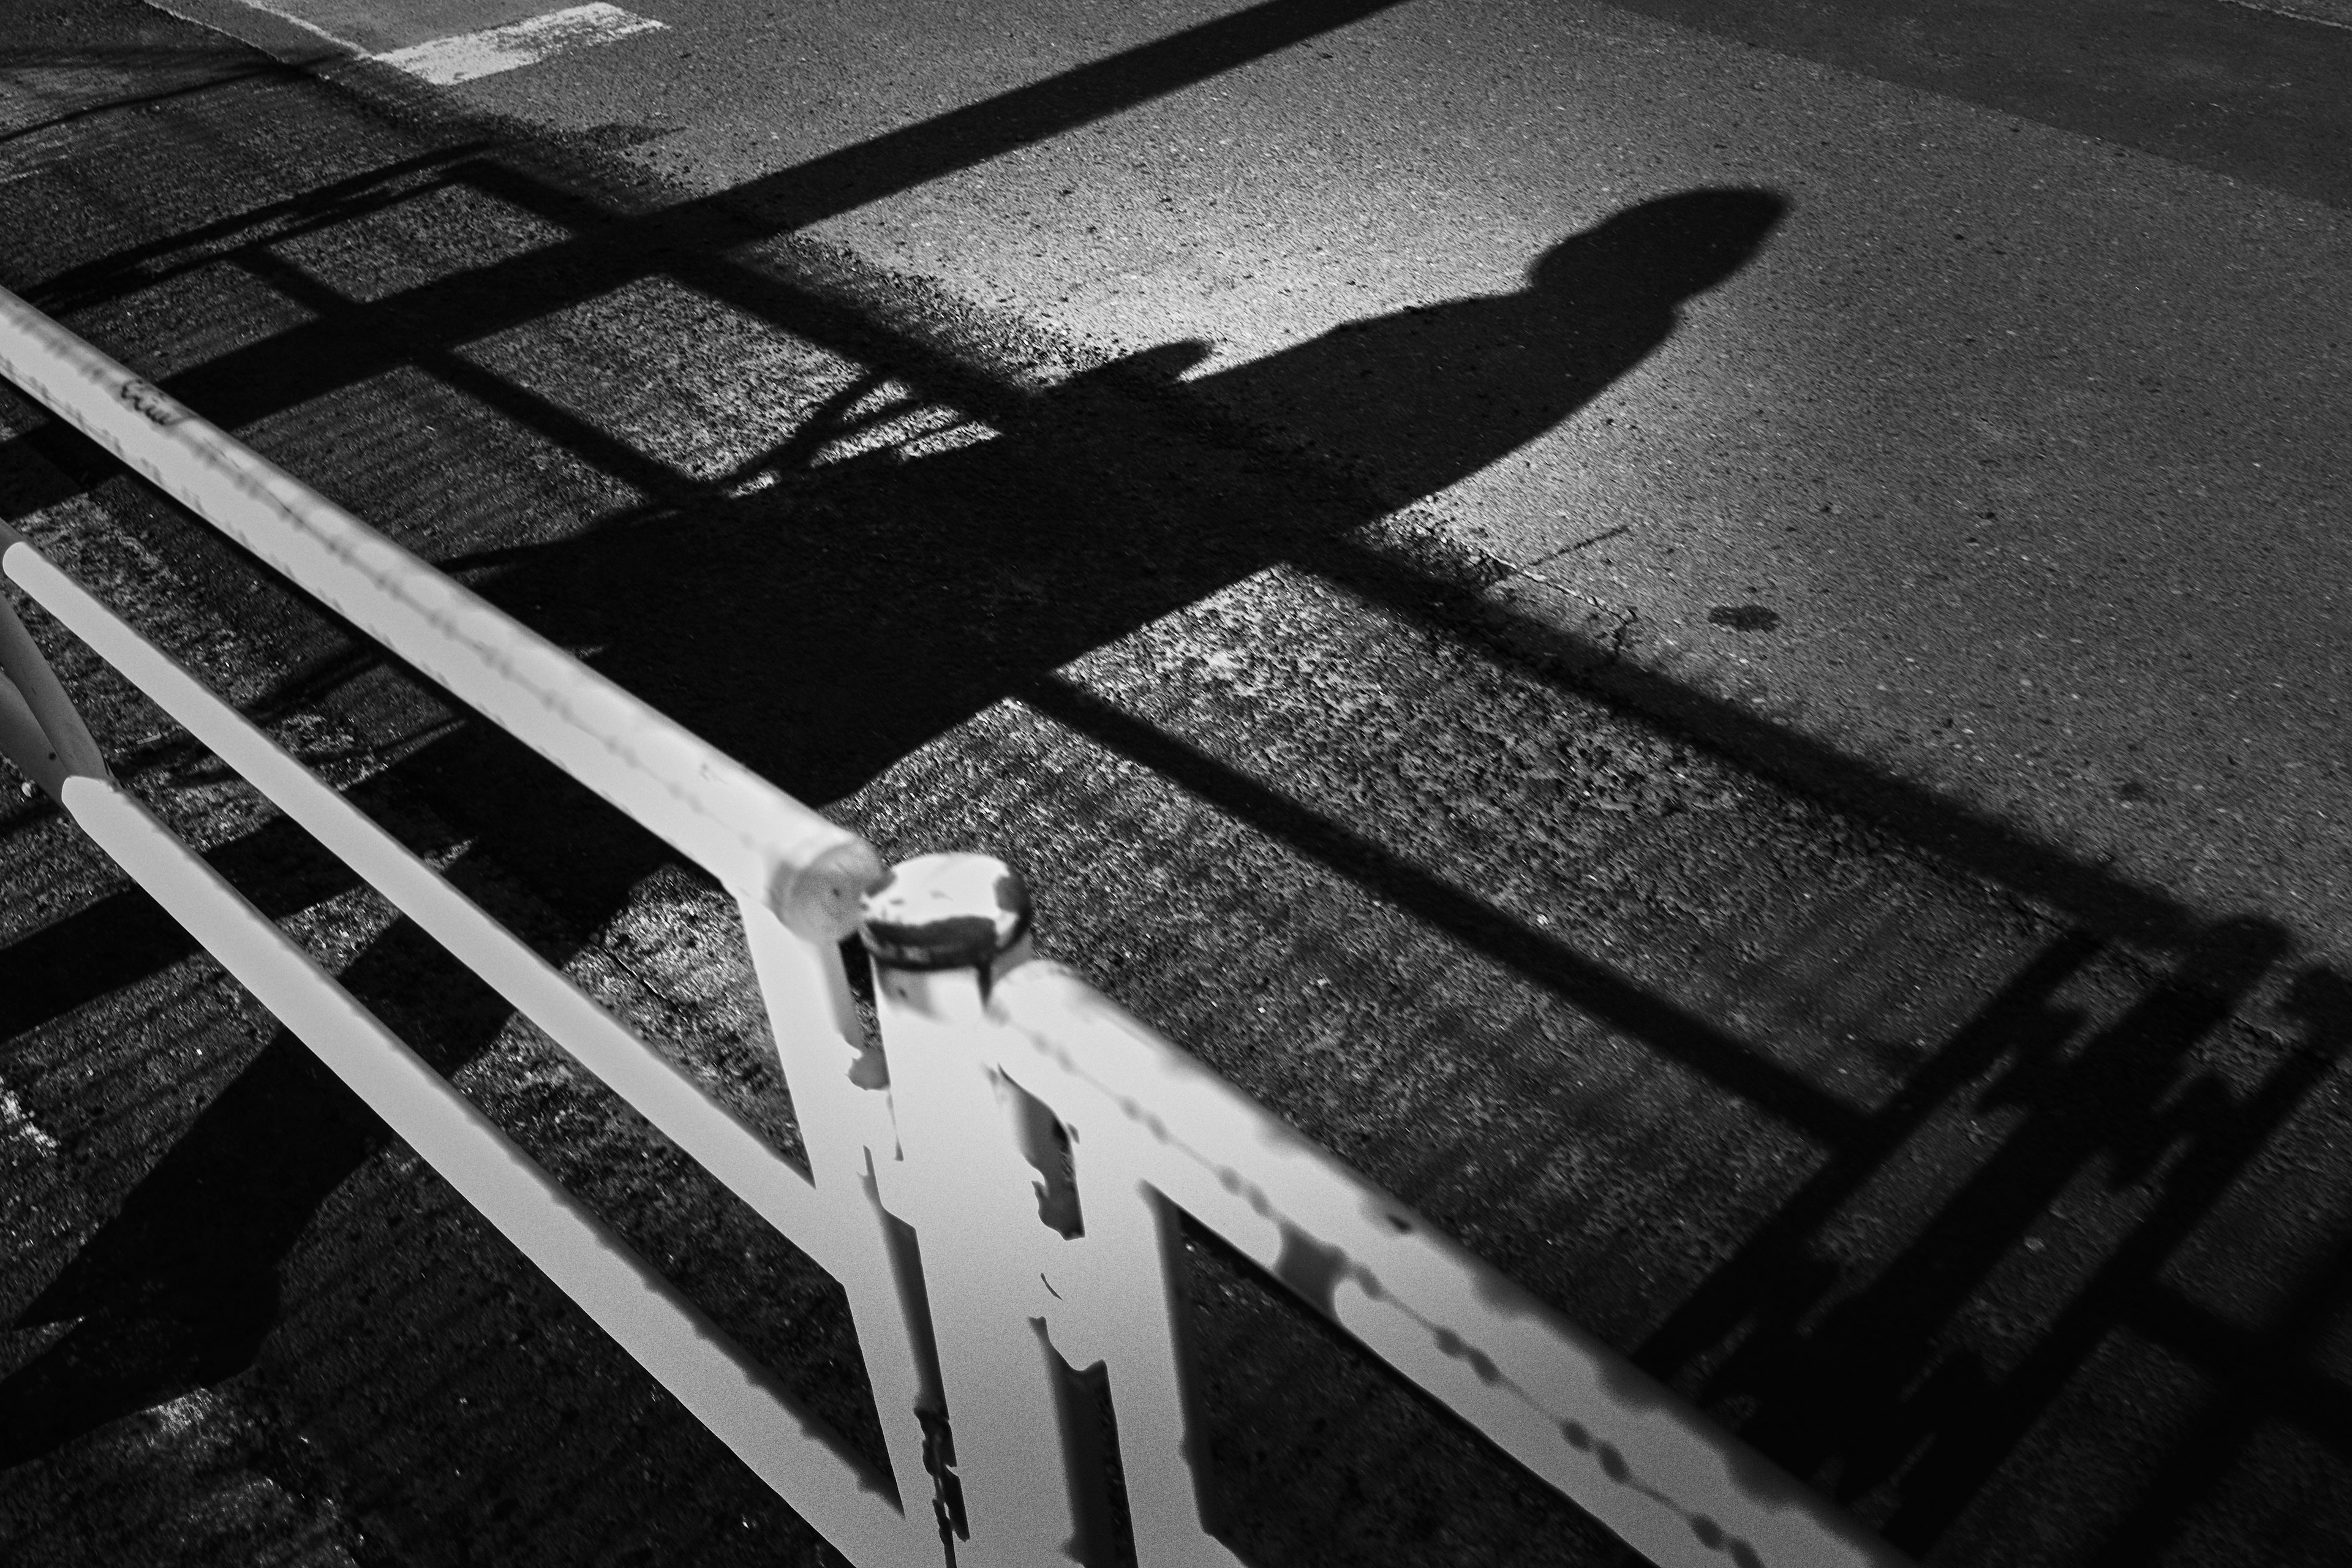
(822, 900)
(945, 911)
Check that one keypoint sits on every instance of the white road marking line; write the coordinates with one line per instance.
(445, 62)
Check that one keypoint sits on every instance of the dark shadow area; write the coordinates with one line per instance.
(1110, 421)
(2261, 1378)
(754, 620)
(182, 1287)
(2239, 88)
(1442, 390)
(126, 937)
(44, 52)
(1320, 1453)
(178, 1290)
(1589, 983)
(821, 616)
(139, 101)
(1856, 1382)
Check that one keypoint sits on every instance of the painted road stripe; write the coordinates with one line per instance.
(446, 61)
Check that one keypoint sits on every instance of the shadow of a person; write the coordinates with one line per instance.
(178, 1290)
(820, 629)
(824, 627)
(1431, 394)
(179, 1287)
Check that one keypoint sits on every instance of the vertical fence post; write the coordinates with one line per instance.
(1015, 1450)
(841, 1104)
(1118, 1284)
(1121, 1303)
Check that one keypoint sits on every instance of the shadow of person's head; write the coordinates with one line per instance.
(1414, 400)
(1663, 250)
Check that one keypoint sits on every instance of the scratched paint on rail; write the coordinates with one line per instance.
(447, 61)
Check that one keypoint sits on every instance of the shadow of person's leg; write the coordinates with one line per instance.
(178, 1291)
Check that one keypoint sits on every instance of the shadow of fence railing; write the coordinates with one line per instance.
(1021, 522)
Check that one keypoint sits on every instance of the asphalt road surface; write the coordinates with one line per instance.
(1710, 640)
(2004, 465)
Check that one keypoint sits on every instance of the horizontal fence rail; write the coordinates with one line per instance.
(1575, 1412)
(729, 1392)
(996, 1173)
(757, 840)
(796, 875)
(673, 1102)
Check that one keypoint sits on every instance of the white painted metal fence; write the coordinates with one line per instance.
(994, 1182)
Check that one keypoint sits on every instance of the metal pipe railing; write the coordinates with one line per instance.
(1605, 1434)
(1146, 1125)
(760, 843)
(710, 1133)
(796, 877)
(994, 1183)
(726, 1389)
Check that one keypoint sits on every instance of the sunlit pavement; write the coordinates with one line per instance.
(2007, 465)
(1919, 447)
